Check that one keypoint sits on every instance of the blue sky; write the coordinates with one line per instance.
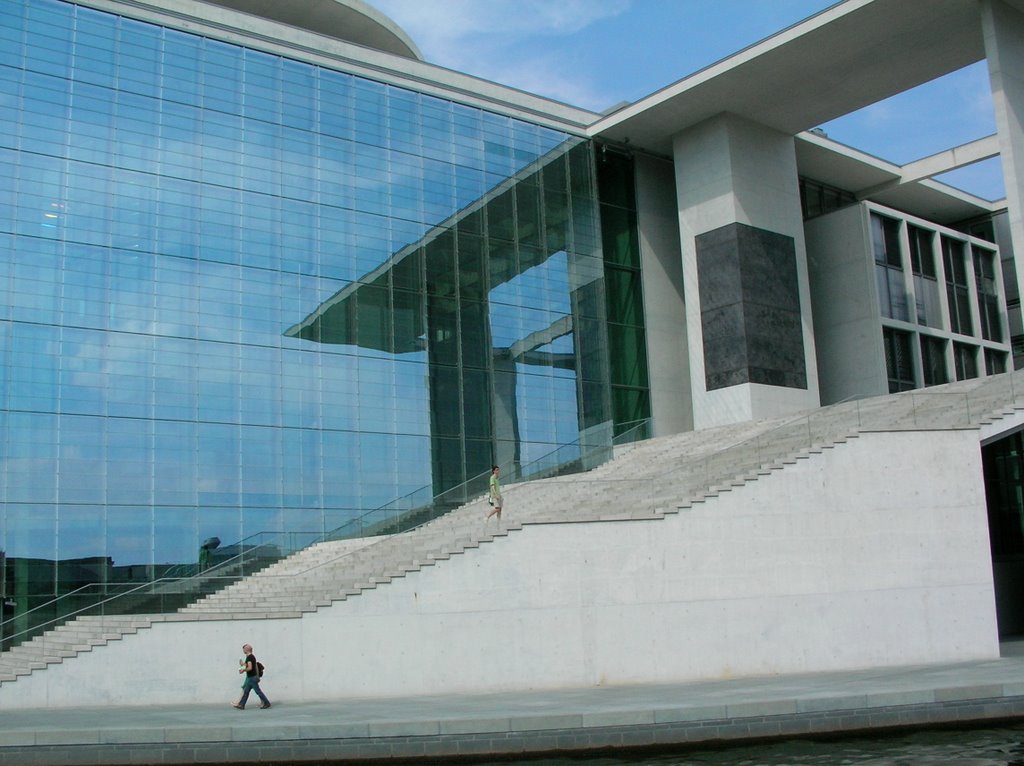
(598, 53)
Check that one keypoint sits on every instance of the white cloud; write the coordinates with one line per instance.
(547, 78)
(434, 25)
(496, 40)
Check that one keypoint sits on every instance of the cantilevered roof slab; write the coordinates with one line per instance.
(851, 55)
(857, 172)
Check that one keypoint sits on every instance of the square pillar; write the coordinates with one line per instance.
(748, 308)
(1003, 29)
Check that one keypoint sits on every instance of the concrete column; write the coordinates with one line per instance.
(1003, 28)
(664, 308)
(748, 306)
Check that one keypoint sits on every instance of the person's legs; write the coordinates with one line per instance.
(246, 688)
(259, 692)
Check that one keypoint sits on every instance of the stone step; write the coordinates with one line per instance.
(649, 480)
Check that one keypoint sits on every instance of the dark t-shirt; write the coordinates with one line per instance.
(251, 669)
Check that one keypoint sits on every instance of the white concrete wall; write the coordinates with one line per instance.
(729, 170)
(847, 319)
(874, 554)
(668, 359)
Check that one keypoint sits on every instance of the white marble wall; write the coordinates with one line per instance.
(874, 554)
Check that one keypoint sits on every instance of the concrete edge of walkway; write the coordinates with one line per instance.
(629, 718)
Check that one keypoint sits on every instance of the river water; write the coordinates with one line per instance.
(999, 746)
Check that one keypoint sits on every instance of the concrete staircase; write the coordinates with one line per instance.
(645, 481)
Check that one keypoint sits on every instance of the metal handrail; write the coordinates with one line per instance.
(458, 490)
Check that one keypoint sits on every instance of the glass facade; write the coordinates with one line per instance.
(244, 293)
(933, 335)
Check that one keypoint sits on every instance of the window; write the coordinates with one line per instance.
(817, 198)
(926, 283)
(988, 294)
(983, 230)
(995, 362)
(965, 359)
(892, 293)
(933, 361)
(898, 363)
(957, 291)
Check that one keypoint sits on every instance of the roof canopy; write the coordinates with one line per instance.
(846, 57)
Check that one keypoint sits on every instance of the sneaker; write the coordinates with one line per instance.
(236, 705)
(264, 707)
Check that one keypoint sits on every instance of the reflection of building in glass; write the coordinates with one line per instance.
(264, 273)
(454, 295)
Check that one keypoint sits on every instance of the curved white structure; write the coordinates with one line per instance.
(350, 20)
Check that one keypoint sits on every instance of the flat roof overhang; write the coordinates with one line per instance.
(849, 56)
(852, 170)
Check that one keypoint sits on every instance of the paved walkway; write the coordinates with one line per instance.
(527, 723)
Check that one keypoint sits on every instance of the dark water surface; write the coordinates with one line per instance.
(1000, 746)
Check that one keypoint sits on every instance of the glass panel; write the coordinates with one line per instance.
(249, 294)
(933, 359)
(995, 362)
(885, 239)
(965, 359)
(898, 360)
(957, 289)
(988, 294)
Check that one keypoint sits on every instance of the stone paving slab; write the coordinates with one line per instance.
(533, 722)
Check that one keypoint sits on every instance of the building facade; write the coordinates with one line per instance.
(264, 275)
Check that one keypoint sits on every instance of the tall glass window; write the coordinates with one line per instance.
(989, 315)
(892, 291)
(957, 289)
(926, 282)
(246, 294)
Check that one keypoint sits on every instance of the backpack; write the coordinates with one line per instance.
(259, 669)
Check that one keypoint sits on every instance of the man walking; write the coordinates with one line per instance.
(494, 494)
(251, 669)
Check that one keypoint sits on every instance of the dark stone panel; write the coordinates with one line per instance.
(775, 346)
(725, 345)
(750, 308)
(768, 268)
(719, 273)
